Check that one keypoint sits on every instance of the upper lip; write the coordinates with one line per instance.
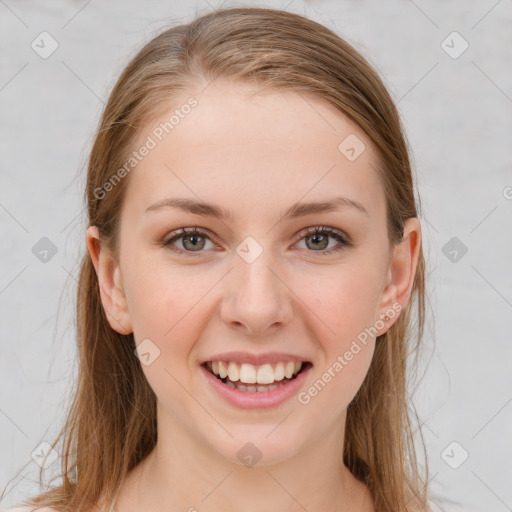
(255, 359)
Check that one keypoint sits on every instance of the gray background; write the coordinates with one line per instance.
(458, 115)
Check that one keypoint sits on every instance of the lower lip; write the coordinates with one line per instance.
(258, 399)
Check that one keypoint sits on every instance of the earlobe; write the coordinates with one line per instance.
(401, 272)
(110, 283)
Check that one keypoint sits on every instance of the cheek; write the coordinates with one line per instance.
(344, 311)
(343, 299)
(337, 383)
(167, 306)
(157, 293)
(344, 302)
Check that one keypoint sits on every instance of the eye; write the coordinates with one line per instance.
(194, 240)
(319, 239)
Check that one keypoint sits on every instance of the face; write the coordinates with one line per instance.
(258, 283)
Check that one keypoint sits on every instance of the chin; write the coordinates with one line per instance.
(253, 447)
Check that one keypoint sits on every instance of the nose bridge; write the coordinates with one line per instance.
(255, 268)
(257, 297)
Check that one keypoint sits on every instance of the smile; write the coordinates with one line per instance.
(256, 386)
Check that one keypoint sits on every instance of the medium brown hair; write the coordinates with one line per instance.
(111, 424)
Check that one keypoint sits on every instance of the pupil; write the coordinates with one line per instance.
(193, 239)
(318, 239)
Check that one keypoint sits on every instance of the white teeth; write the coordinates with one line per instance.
(288, 369)
(233, 372)
(265, 374)
(252, 389)
(279, 371)
(247, 373)
(223, 370)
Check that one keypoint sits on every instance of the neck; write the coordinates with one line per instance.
(183, 474)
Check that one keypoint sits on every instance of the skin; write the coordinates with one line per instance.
(255, 154)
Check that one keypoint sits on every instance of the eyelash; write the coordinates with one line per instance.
(318, 230)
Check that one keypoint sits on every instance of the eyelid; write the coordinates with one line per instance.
(343, 239)
(182, 232)
(332, 232)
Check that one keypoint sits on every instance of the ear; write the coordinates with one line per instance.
(110, 283)
(401, 272)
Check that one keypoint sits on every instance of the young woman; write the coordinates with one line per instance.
(253, 269)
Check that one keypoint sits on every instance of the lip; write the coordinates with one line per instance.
(259, 399)
(255, 359)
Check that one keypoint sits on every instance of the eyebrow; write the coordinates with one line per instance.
(295, 211)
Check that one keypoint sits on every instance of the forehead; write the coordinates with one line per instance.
(258, 149)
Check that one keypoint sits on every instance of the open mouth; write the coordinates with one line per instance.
(256, 380)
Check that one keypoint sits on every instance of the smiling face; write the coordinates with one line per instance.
(254, 280)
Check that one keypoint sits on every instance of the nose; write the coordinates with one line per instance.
(256, 298)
